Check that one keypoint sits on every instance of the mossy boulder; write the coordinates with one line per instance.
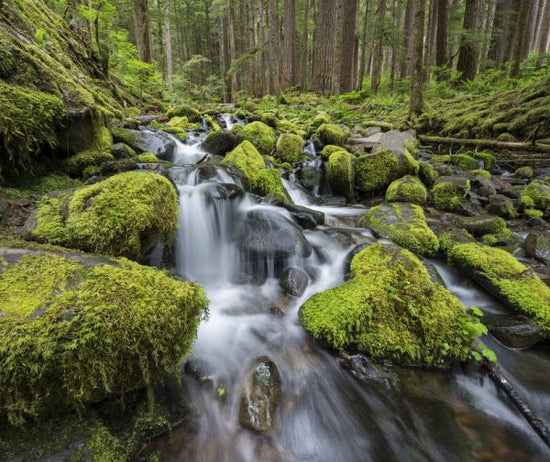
(390, 309)
(537, 245)
(85, 163)
(192, 114)
(268, 181)
(487, 159)
(404, 224)
(504, 276)
(261, 136)
(290, 147)
(524, 172)
(536, 195)
(377, 170)
(427, 173)
(449, 191)
(246, 161)
(319, 119)
(122, 151)
(484, 173)
(501, 206)
(147, 157)
(464, 161)
(341, 173)
(330, 149)
(407, 189)
(75, 329)
(219, 142)
(331, 134)
(124, 215)
(479, 226)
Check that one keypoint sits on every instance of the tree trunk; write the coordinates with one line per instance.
(502, 31)
(143, 30)
(407, 39)
(417, 74)
(490, 19)
(232, 48)
(363, 59)
(253, 64)
(377, 52)
(289, 44)
(324, 42)
(273, 47)
(544, 12)
(522, 37)
(168, 39)
(468, 56)
(544, 32)
(348, 61)
(430, 36)
(261, 41)
(338, 43)
(304, 53)
(442, 41)
(223, 63)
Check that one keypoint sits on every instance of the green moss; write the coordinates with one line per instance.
(330, 149)
(39, 186)
(446, 194)
(121, 135)
(483, 173)
(524, 172)
(407, 189)
(536, 195)
(269, 181)
(261, 136)
(246, 161)
(522, 289)
(178, 122)
(331, 134)
(403, 223)
(76, 165)
(269, 118)
(464, 161)
(444, 159)
(341, 173)
(427, 173)
(319, 119)
(218, 142)
(502, 237)
(192, 114)
(534, 213)
(377, 170)
(123, 215)
(489, 160)
(147, 157)
(87, 332)
(390, 309)
(290, 147)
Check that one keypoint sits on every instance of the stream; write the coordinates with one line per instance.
(325, 413)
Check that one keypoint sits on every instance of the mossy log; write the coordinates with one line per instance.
(489, 144)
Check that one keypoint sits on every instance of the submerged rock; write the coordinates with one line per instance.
(404, 224)
(77, 328)
(294, 281)
(260, 396)
(305, 217)
(390, 309)
(514, 331)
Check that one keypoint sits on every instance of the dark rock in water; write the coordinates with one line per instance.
(364, 370)
(343, 237)
(268, 239)
(206, 172)
(537, 245)
(260, 396)
(537, 223)
(223, 192)
(310, 176)
(514, 331)
(501, 206)
(219, 142)
(294, 281)
(433, 272)
(306, 218)
(200, 371)
(349, 258)
(479, 226)
(159, 143)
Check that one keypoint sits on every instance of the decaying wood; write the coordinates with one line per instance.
(489, 144)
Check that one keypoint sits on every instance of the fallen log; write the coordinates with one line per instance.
(489, 144)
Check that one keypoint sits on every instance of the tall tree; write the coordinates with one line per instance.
(377, 53)
(442, 41)
(363, 59)
(168, 39)
(338, 44)
(468, 55)
(417, 71)
(289, 44)
(232, 48)
(502, 30)
(274, 77)
(348, 61)
(304, 48)
(325, 20)
(407, 34)
(544, 31)
(521, 44)
(143, 29)
(261, 41)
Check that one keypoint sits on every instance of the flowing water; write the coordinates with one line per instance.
(325, 413)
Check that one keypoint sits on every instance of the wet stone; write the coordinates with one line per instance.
(514, 331)
(294, 281)
(537, 245)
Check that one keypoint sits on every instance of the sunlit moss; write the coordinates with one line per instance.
(246, 161)
(407, 189)
(341, 173)
(261, 136)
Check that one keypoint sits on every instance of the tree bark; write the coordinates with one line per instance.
(348, 61)
(489, 21)
(544, 32)
(363, 59)
(430, 36)
(232, 47)
(168, 39)
(289, 45)
(304, 53)
(488, 144)
(377, 52)
(468, 55)
(417, 74)
(274, 80)
(442, 41)
(338, 44)
(261, 41)
(521, 44)
(323, 51)
(143, 30)
(405, 63)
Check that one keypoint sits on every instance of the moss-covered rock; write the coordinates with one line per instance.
(524, 172)
(192, 114)
(390, 309)
(341, 173)
(502, 206)
(268, 181)
(122, 151)
(484, 173)
(246, 161)
(377, 170)
(464, 161)
(261, 136)
(331, 134)
(83, 162)
(290, 147)
(75, 329)
(488, 159)
(147, 157)
(176, 122)
(427, 173)
(449, 191)
(506, 278)
(125, 215)
(536, 195)
(404, 224)
(443, 159)
(330, 149)
(319, 119)
(219, 142)
(407, 189)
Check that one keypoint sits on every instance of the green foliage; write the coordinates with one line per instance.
(290, 147)
(341, 173)
(407, 189)
(183, 113)
(89, 331)
(489, 160)
(39, 186)
(484, 173)
(123, 215)
(390, 309)
(261, 136)
(147, 157)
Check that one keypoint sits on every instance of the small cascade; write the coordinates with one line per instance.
(190, 151)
